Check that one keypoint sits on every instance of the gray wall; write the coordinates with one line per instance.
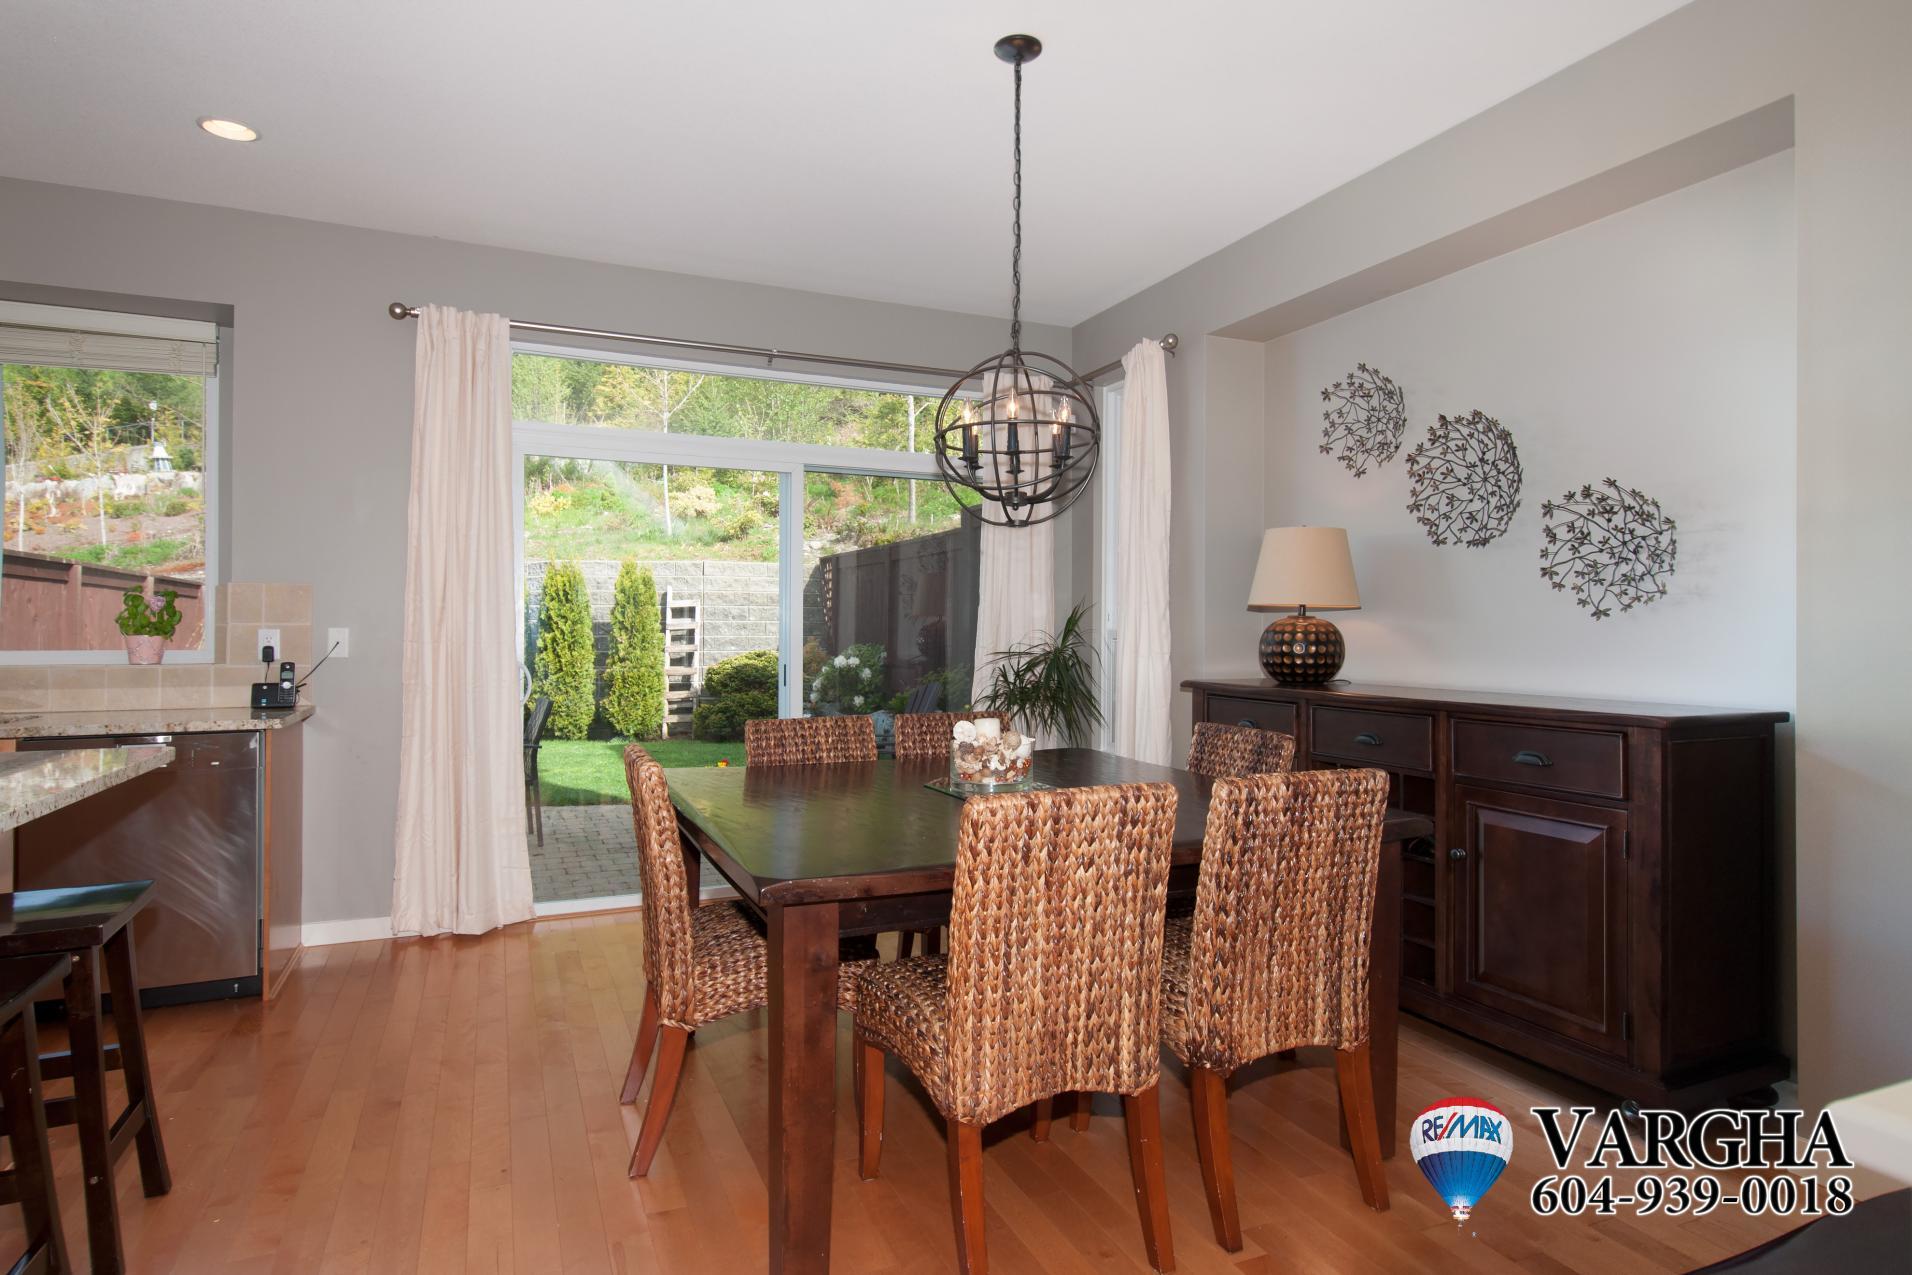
(1700, 68)
(320, 421)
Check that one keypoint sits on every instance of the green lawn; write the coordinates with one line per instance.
(590, 772)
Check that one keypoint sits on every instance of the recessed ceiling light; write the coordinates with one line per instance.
(230, 130)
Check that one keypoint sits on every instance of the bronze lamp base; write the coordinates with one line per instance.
(1302, 650)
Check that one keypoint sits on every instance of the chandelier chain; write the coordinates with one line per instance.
(1015, 256)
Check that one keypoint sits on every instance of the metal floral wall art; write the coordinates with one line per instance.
(1366, 421)
(1464, 480)
(1612, 545)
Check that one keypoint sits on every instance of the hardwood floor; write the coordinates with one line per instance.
(451, 1105)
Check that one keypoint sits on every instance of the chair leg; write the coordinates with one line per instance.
(933, 941)
(26, 1130)
(1039, 1128)
(1144, 1120)
(641, 1049)
(122, 978)
(905, 940)
(103, 1247)
(672, 1042)
(1364, 1135)
(1209, 1091)
(1079, 1112)
(966, 1196)
(869, 1088)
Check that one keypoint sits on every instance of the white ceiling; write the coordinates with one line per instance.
(858, 147)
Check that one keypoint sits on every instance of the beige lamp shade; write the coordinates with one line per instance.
(1304, 567)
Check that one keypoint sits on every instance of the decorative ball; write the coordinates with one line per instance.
(1302, 650)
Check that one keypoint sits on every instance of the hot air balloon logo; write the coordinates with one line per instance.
(1461, 1145)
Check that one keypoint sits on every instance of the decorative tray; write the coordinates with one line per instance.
(954, 789)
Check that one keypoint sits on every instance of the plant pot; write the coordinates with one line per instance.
(144, 648)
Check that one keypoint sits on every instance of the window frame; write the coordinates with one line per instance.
(791, 462)
(209, 483)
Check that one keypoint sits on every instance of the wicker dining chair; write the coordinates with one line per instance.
(1220, 750)
(1276, 956)
(808, 741)
(923, 736)
(700, 963)
(1051, 985)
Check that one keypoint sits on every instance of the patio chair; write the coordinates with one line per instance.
(533, 794)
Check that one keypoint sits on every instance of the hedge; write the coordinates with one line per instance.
(634, 676)
(739, 689)
(566, 656)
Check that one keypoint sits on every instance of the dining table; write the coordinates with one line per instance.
(832, 851)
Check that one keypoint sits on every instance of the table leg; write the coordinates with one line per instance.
(803, 995)
(1384, 995)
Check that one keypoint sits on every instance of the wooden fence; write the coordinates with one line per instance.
(915, 598)
(50, 604)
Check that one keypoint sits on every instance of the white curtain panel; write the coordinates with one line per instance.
(1139, 716)
(463, 866)
(1016, 588)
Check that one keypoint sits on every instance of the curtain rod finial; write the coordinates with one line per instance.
(1170, 342)
(399, 310)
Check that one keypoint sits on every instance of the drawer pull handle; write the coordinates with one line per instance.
(1369, 738)
(1244, 722)
(1528, 757)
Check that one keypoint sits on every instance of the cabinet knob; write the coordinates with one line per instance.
(1458, 852)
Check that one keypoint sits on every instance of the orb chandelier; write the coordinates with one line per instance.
(1028, 445)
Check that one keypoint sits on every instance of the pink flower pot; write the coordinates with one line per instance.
(147, 648)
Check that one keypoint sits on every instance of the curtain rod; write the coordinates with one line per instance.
(399, 310)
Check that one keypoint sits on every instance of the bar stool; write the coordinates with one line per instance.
(30, 1182)
(93, 924)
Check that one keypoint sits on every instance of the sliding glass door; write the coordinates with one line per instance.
(701, 546)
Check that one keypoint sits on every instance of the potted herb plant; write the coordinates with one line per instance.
(1047, 686)
(146, 626)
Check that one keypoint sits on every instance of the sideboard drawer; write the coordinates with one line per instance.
(1267, 714)
(1392, 741)
(1584, 761)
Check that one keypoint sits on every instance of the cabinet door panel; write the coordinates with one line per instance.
(1542, 913)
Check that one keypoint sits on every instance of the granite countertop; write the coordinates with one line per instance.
(35, 784)
(147, 721)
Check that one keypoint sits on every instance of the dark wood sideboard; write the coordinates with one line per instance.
(1600, 896)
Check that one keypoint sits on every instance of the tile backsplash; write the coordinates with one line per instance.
(241, 610)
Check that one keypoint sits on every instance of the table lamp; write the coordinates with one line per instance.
(1303, 569)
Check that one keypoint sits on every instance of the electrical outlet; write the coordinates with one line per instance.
(270, 637)
(339, 642)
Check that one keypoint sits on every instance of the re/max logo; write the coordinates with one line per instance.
(1479, 1125)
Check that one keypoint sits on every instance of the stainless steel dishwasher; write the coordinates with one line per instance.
(191, 827)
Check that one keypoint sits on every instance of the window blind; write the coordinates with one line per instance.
(116, 351)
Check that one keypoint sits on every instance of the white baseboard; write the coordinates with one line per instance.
(326, 933)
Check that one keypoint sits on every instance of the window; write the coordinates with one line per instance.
(802, 556)
(109, 439)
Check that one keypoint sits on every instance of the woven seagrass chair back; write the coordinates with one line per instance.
(808, 741)
(1055, 945)
(1219, 750)
(662, 874)
(925, 735)
(1280, 941)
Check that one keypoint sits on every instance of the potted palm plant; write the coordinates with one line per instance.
(1047, 686)
(146, 625)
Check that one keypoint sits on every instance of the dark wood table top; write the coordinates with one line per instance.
(861, 830)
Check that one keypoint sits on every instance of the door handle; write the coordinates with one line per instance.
(1528, 757)
(1457, 853)
(1369, 738)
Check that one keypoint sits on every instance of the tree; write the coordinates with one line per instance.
(566, 660)
(632, 396)
(87, 429)
(23, 429)
(634, 692)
